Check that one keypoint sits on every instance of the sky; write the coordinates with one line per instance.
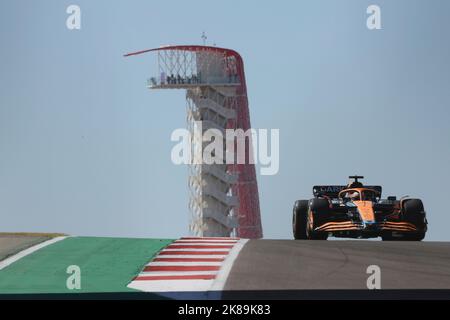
(85, 146)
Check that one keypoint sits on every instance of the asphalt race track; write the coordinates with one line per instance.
(13, 243)
(205, 268)
(333, 264)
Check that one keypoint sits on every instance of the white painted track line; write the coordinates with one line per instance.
(24, 253)
(225, 251)
(219, 282)
(185, 270)
(171, 286)
(184, 263)
(204, 241)
(181, 273)
(183, 256)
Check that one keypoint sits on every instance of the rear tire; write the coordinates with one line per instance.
(320, 205)
(299, 219)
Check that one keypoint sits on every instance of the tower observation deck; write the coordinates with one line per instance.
(224, 197)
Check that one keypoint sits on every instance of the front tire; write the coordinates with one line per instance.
(299, 219)
(413, 211)
(318, 208)
(414, 237)
(419, 236)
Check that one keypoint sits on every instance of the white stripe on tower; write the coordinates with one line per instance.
(190, 264)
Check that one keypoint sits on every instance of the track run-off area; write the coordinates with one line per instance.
(191, 264)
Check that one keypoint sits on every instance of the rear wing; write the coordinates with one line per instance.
(333, 191)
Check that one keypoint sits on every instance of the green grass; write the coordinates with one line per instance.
(107, 265)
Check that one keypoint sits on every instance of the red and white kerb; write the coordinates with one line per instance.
(188, 264)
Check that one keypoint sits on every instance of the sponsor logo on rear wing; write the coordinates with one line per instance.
(333, 191)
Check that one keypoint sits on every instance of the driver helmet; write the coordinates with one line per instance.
(355, 184)
(352, 195)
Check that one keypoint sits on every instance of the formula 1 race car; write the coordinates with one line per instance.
(357, 211)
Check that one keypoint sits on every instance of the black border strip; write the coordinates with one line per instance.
(385, 294)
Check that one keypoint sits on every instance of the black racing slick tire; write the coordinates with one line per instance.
(414, 237)
(313, 235)
(413, 211)
(387, 237)
(299, 219)
(404, 237)
(318, 208)
(320, 205)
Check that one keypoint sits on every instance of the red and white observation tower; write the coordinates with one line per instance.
(224, 197)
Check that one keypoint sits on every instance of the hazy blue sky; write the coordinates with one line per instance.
(85, 147)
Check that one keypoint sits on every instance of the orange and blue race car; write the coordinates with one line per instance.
(358, 211)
